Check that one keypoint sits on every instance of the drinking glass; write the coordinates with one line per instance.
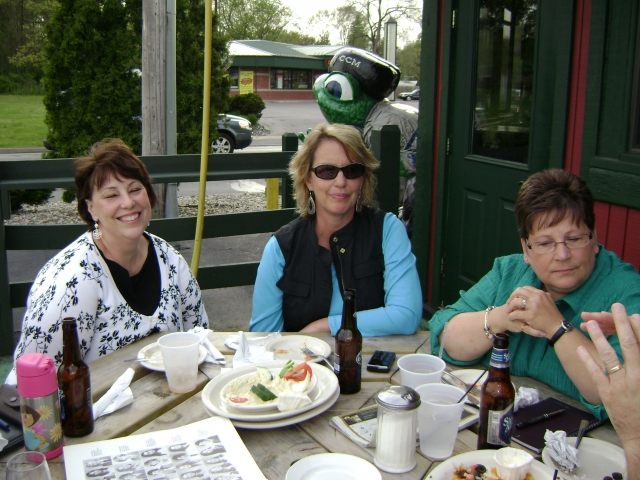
(180, 356)
(28, 465)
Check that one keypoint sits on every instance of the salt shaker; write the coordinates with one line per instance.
(397, 427)
(39, 404)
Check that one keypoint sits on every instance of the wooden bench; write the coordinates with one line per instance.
(57, 173)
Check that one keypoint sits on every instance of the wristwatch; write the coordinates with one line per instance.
(565, 327)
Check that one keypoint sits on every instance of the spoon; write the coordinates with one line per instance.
(583, 428)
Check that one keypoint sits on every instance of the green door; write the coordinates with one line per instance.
(507, 97)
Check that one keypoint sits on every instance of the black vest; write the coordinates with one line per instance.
(356, 252)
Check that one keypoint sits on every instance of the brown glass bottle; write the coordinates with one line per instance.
(74, 383)
(348, 347)
(496, 401)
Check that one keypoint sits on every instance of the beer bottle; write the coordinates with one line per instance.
(74, 384)
(497, 398)
(348, 347)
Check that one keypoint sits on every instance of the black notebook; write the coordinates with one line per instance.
(532, 436)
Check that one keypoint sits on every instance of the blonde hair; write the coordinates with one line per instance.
(355, 149)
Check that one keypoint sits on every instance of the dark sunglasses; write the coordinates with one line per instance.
(329, 172)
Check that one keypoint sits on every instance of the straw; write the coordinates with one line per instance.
(444, 335)
(555, 474)
(473, 384)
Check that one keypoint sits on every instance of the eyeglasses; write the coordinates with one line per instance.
(572, 243)
(329, 172)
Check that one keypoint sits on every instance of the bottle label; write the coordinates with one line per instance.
(499, 425)
(499, 358)
(336, 363)
(41, 424)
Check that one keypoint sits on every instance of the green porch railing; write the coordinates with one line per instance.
(31, 174)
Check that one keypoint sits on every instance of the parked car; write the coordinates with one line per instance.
(414, 95)
(233, 133)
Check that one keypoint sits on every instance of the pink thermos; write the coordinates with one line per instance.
(39, 404)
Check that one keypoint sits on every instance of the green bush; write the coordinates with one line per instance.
(247, 104)
(28, 197)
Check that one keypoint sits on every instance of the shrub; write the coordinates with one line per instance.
(247, 104)
(29, 197)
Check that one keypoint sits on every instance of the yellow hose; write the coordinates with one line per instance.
(204, 154)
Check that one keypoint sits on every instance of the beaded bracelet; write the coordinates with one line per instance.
(487, 330)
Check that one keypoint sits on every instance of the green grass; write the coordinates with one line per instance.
(22, 121)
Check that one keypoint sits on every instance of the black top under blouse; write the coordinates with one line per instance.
(141, 291)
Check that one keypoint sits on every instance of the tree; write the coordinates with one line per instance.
(253, 19)
(92, 84)
(30, 53)
(349, 23)
(375, 13)
(297, 38)
(190, 73)
(408, 60)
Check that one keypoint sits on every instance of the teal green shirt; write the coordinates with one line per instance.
(612, 281)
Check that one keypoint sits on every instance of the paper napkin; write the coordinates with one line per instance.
(564, 454)
(118, 396)
(526, 396)
(213, 354)
(252, 350)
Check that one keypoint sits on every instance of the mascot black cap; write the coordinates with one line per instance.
(377, 77)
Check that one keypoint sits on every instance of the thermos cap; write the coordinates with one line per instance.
(36, 375)
(398, 397)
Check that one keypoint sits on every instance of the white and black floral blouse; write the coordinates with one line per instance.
(77, 283)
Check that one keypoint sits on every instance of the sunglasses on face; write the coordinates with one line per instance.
(329, 172)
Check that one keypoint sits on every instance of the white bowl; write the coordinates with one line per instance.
(513, 464)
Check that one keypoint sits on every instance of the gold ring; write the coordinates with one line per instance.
(524, 303)
(614, 369)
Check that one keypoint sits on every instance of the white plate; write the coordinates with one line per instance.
(470, 375)
(289, 347)
(285, 422)
(151, 357)
(326, 387)
(264, 407)
(336, 466)
(444, 471)
(597, 459)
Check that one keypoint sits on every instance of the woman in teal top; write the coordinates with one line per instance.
(538, 297)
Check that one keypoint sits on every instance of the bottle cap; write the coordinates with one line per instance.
(398, 397)
(36, 375)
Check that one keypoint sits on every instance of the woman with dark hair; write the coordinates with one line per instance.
(339, 241)
(119, 282)
(538, 297)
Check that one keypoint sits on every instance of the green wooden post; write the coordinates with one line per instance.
(385, 146)
(6, 316)
(289, 144)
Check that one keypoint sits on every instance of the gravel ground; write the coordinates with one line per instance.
(58, 213)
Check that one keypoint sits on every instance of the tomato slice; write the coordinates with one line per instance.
(299, 372)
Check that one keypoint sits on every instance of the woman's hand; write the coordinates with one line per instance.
(321, 325)
(534, 311)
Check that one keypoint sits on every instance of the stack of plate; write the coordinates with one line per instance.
(322, 396)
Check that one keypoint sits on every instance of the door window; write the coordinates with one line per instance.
(504, 79)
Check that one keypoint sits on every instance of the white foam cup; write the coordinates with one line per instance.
(180, 352)
(419, 368)
(438, 419)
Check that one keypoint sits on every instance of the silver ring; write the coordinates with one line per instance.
(614, 369)
(524, 303)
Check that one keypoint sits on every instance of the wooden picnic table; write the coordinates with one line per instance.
(274, 450)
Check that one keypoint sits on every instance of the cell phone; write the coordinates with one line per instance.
(381, 361)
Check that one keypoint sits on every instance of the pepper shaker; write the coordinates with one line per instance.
(397, 428)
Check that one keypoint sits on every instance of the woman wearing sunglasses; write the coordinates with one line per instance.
(339, 241)
(537, 297)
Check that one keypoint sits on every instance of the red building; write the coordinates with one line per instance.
(280, 71)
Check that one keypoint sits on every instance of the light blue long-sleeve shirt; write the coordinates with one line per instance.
(402, 309)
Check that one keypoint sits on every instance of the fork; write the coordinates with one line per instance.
(311, 353)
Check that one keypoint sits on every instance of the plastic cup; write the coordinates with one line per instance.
(438, 419)
(419, 368)
(180, 355)
(28, 466)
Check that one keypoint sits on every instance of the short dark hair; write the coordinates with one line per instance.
(548, 197)
(107, 157)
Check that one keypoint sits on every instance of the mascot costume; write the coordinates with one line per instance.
(353, 93)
